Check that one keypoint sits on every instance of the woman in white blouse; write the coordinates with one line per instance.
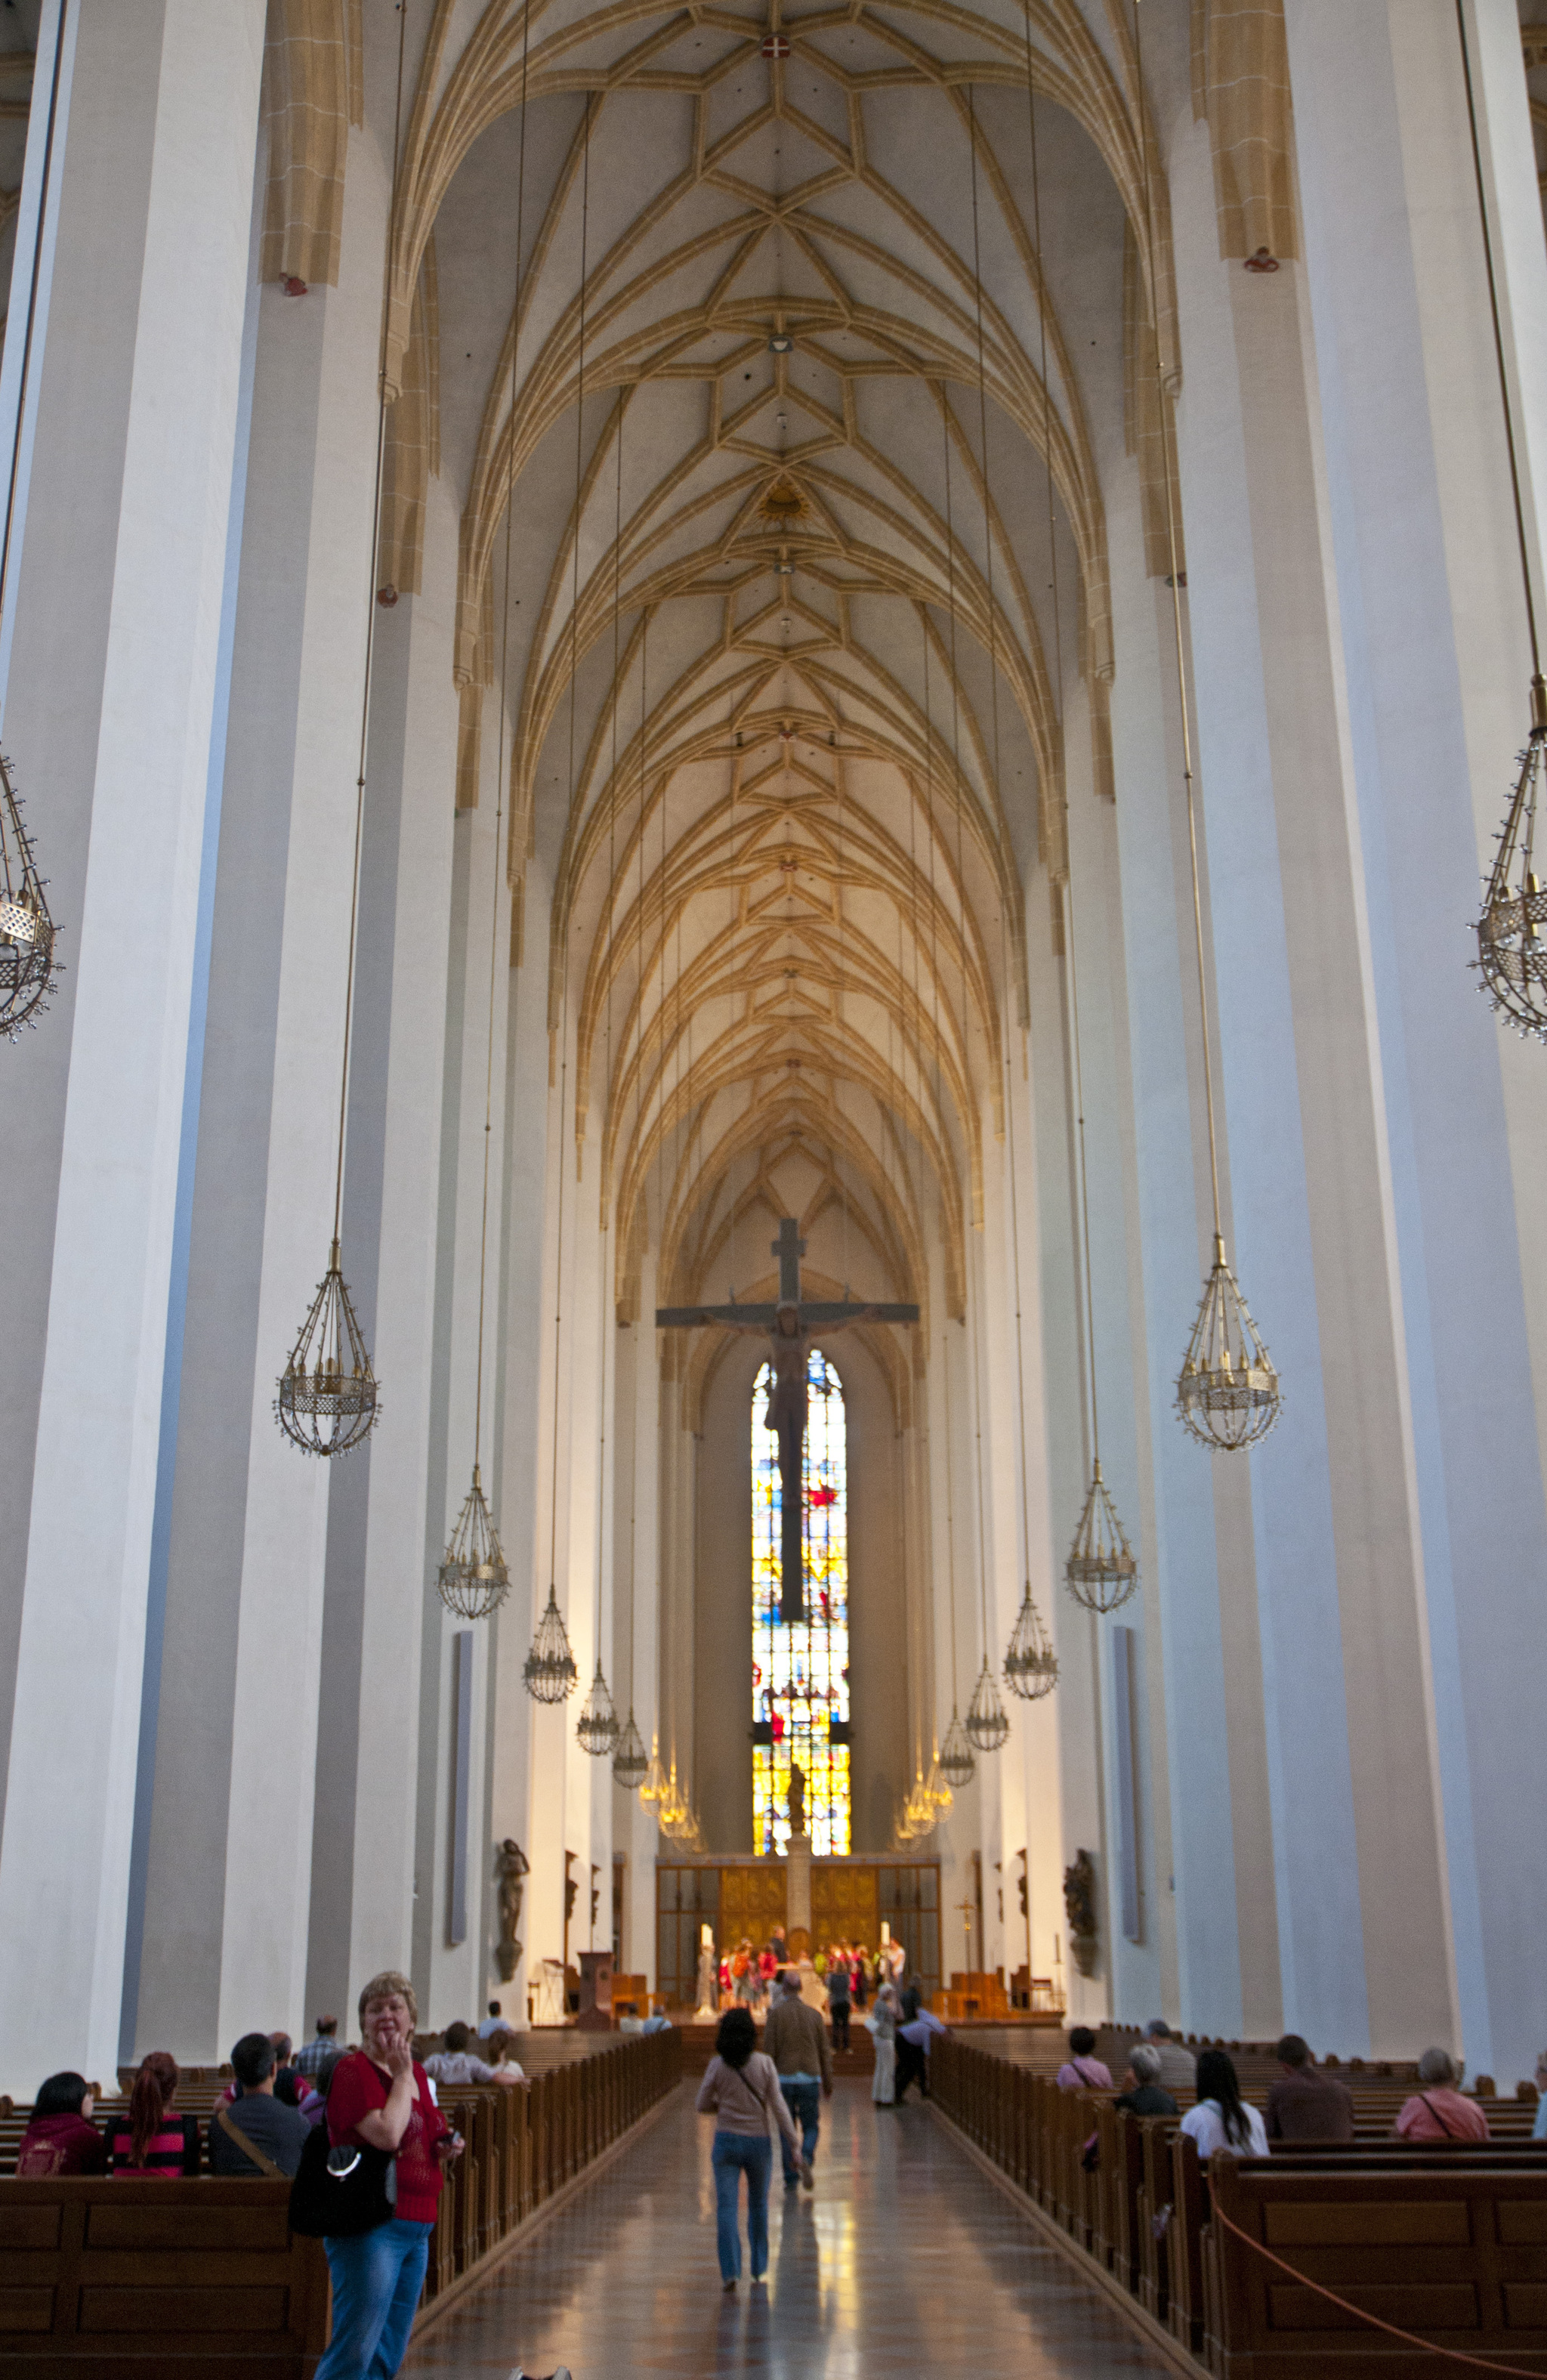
(1222, 2118)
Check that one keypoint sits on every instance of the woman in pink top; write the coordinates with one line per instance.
(1436, 2110)
(1083, 2071)
(741, 2091)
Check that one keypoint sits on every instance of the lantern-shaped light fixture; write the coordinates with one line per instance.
(327, 1391)
(1228, 1391)
(630, 1759)
(957, 1764)
(474, 1579)
(549, 1670)
(988, 1722)
(1030, 1664)
(27, 968)
(597, 1724)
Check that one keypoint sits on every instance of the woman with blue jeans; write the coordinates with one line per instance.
(741, 2091)
(378, 2099)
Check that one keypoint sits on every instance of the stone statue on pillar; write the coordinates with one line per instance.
(511, 1867)
(797, 1798)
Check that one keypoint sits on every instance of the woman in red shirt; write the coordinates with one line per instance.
(61, 2137)
(379, 2098)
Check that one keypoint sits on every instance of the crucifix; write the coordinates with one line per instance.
(790, 1325)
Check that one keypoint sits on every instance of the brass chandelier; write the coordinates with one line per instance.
(327, 1402)
(1511, 951)
(1227, 1392)
(28, 971)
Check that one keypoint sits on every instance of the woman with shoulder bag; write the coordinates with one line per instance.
(741, 2090)
(380, 2102)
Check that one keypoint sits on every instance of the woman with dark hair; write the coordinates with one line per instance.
(1083, 2069)
(1221, 2118)
(61, 2137)
(741, 2090)
(150, 2139)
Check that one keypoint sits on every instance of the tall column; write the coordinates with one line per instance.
(1420, 525)
(382, 1537)
(228, 1882)
(113, 676)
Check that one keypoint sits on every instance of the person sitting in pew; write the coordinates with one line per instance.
(1539, 2127)
(258, 2135)
(1222, 2118)
(61, 2137)
(1304, 2105)
(150, 2139)
(1178, 2068)
(1144, 2095)
(454, 2066)
(1083, 2069)
(323, 2050)
(1436, 2110)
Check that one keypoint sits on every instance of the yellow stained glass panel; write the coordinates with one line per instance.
(800, 1674)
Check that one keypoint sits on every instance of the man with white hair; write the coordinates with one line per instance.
(796, 2039)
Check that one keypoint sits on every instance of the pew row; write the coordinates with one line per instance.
(128, 2276)
(1127, 2199)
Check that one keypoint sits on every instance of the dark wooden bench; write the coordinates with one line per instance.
(1448, 2244)
(119, 2277)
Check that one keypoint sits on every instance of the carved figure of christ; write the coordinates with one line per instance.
(790, 1327)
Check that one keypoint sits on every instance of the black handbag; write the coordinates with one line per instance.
(340, 2192)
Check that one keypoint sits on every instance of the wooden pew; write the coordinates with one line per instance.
(1451, 2245)
(119, 2277)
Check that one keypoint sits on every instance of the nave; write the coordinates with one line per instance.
(907, 2258)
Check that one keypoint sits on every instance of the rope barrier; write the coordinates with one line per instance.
(1409, 2339)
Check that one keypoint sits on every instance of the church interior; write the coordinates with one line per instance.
(798, 1207)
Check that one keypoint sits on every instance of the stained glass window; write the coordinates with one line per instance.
(800, 1674)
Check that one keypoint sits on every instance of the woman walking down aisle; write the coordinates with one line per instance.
(741, 2089)
(379, 2099)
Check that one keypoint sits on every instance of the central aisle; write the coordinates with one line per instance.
(907, 2261)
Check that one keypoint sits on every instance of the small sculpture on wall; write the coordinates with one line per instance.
(511, 1867)
(797, 1798)
(1080, 1907)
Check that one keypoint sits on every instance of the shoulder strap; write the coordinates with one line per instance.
(234, 2131)
(1450, 2133)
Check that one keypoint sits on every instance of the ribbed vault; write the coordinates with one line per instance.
(805, 537)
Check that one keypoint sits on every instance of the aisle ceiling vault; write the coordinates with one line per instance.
(784, 657)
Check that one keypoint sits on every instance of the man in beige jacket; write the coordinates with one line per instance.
(796, 2039)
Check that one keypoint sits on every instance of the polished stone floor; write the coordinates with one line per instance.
(907, 2260)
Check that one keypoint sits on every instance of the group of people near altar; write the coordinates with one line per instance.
(840, 1978)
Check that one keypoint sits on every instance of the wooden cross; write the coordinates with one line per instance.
(790, 1325)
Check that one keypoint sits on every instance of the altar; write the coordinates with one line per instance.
(745, 1899)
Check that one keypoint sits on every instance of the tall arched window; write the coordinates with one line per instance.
(800, 1675)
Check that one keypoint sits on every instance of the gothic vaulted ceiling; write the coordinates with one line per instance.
(772, 357)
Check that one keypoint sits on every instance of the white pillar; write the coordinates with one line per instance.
(117, 610)
(1417, 499)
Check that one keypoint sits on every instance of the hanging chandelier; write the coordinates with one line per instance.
(1511, 951)
(987, 1720)
(474, 1579)
(1030, 1664)
(28, 972)
(1511, 955)
(597, 1724)
(630, 1760)
(1101, 1571)
(550, 1671)
(652, 1785)
(327, 1401)
(1228, 1391)
(940, 1792)
(957, 1764)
